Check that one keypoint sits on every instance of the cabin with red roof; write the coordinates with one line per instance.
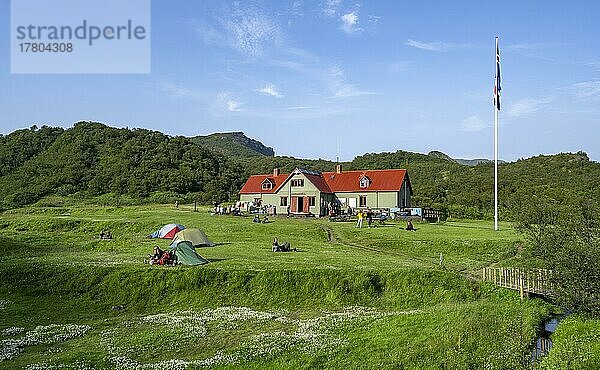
(313, 193)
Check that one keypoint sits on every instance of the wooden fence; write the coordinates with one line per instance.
(536, 281)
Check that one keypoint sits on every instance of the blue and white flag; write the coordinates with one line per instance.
(497, 87)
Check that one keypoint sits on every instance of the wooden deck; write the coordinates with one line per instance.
(527, 281)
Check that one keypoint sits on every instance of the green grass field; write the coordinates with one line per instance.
(348, 299)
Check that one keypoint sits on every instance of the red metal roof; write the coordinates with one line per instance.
(254, 184)
(380, 180)
(332, 182)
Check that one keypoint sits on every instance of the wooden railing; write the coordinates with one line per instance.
(536, 281)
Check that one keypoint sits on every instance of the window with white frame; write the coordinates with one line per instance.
(267, 184)
(362, 201)
(364, 182)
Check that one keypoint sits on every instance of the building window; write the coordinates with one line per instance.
(283, 201)
(364, 182)
(298, 182)
(311, 201)
(267, 185)
(362, 201)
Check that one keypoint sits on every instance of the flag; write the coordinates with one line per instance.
(497, 87)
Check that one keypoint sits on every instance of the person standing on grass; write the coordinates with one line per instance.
(369, 217)
(360, 220)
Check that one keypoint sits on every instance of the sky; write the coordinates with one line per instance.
(322, 79)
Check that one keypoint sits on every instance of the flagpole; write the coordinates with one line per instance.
(496, 167)
(496, 143)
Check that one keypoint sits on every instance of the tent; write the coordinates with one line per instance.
(186, 255)
(167, 231)
(195, 236)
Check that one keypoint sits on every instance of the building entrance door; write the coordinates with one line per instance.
(300, 204)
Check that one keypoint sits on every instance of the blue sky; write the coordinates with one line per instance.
(318, 78)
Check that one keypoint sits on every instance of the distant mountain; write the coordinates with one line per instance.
(440, 155)
(234, 144)
(466, 162)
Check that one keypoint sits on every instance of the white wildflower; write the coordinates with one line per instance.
(49, 334)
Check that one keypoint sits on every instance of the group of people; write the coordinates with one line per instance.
(335, 208)
(105, 235)
(368, 214)
(161, 257)
(234, 210)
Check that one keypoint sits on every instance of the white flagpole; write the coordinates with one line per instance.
(496, 140)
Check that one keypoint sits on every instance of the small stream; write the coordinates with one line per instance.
(543, 343)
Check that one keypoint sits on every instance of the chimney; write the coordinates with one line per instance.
(275, 172)
(338, 168)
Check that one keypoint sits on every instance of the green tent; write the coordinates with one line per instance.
(195, 236)
(186, 254)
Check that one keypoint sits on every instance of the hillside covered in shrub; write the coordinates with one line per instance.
(92, 160)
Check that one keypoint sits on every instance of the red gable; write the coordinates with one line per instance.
(333, 182)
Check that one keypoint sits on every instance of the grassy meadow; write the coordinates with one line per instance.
(348, 299)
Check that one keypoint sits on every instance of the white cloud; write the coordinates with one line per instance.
(527, 107)
(349, 91)
(350, 23)
(330, 7)
(251, 31)
(341, 87)
(434, 45)
(177, 91)
(473, 124)
(586, 90)
(270, 90)
(298, 108)
(234, 106)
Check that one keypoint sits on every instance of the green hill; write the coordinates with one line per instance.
(234, 144)
(93, 160)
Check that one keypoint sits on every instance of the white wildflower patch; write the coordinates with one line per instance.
(49, 334)
(77, 365)
(4, 303)
(314, 335)
(13, 330)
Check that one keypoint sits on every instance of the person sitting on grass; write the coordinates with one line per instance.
(256, 219)
(285, 247)
(105, 235)
(410, 227)
(167, 259)
(265, 220)
(160, 257)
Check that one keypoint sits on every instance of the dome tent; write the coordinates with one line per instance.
(195, 236)
(185, 254)
(167, 232)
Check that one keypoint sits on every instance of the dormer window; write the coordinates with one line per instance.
(364, 182)
(267, 184)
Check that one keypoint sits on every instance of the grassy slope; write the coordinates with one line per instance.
(55, 271)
